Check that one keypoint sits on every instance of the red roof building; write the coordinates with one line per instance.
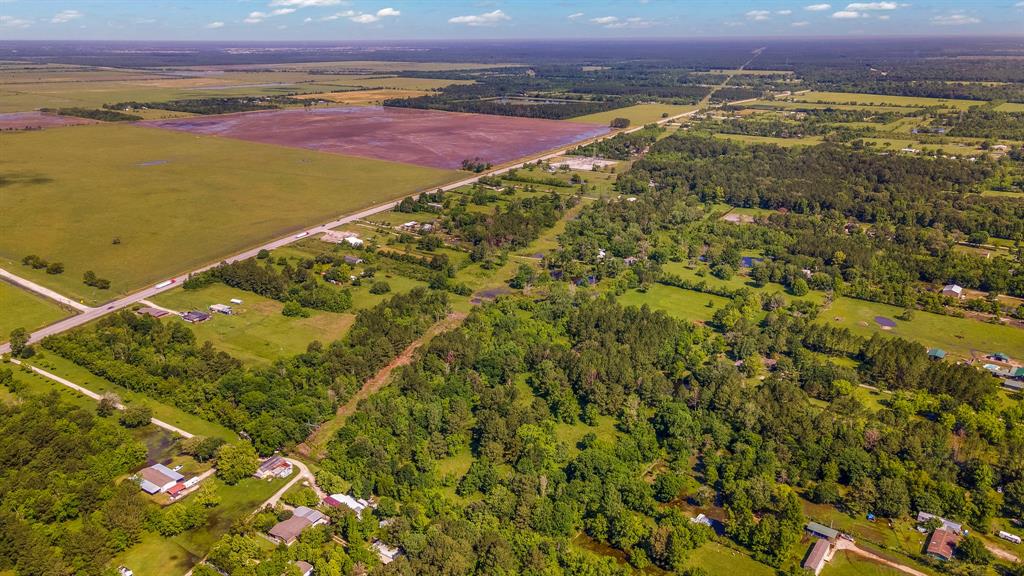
(942, 544)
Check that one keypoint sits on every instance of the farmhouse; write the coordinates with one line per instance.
(154, 312)
(288, 531)
(195, 317)
(817, 556)
(953, 291)
(942, 544)
(221, 309)
(274, 467)
(157, 478)
(821, 531)
(357, 505)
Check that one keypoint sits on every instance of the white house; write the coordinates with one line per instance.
(157, 478)
(953, 291)
(354, 241)
(357, 505)
(387, 553)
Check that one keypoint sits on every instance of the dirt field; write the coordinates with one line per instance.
(423, 137)
(32, 120)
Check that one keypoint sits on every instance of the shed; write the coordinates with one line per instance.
(1015, 385)
(386, 553)
(821, 531)
(158, 478)
(815, 559)
(942, 544)
(936, 353)
(305, 568)
(953, 291)
(236, 300)
(195, 316)
(352, 260)
(149, 311)
(176, 490)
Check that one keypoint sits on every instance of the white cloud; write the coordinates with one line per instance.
(307, 3)
(578, 15)
(386, 12)
(634, 23)
(364, 19)
(783, 12)
(956, 19)
(605, 20)
(872, 6)
(847, 15)
(12, 22)
(818, 7)
(215, 25)
(345, 14)
(883, 17)
(801, 24)
(485, 19)
(257, 17)
(758, 15)
(66, 16)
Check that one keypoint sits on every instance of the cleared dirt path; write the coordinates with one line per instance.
(843, 544)
(42, 290)
(316, 444)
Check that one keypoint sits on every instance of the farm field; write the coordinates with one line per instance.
(423, 137)
(257, 333)
(174, 201)
(958, 336)
(638, 115)
(873, 99)
(359, 66)
(22, 309)
(364, 97)
(33, 120)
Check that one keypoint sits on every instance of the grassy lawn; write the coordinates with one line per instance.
(257, 332)
(156, 555)
(172, 415)
(174, 200)
(958, 336)
(722, 561)
(23, 309)
(638, 115)
(846, 564)
(676, 302)
(748, 139)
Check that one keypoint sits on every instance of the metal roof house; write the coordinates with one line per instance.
(942, 544)
(822, 531)
(157, 478)
(817, 556)
(923, 517)
(357, 505)
(195, 316)
(288, 531)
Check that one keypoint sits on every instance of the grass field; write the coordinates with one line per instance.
(174, 200)
(748, 139)
(257, 332)
(638, 115)
(676, 302)
(958, 336)
(846, 564)
(23, 309)
(719, 560)
(873, 99)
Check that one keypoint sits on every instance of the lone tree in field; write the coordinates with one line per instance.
(19, 343)
(619, 123)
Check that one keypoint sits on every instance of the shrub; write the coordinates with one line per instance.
(380, 287)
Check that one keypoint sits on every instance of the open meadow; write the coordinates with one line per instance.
(882, 100)
(136, 205)
(637, 115)
(22, 309)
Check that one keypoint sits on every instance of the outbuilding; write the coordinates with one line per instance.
(817, 555)
(195, 317)
(942, 544)
(936, 353)
(821, 531)
(953, 291)
(221, 309)
(158, 478)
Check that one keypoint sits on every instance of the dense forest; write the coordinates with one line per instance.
(275, 406)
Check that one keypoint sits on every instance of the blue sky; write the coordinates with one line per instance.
(340, 20)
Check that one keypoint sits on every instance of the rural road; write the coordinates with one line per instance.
(97, 397)
(303, 473)
(89, 314)
(843, 544)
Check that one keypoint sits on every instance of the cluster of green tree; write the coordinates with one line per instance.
(984, 122)
(104, 115)
(810, 122)
(225, 105)
(425, 202)
(926, 89)
(276, 405)
(475, 165)
(622, 146)
(461, 102)
(39, 263)
(282, 282)
(60, 510)
(512, 225)
(89, 278)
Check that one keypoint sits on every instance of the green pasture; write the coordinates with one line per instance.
(958, 336)
(749, 139)
(638, 115)
(173, 200)
(22, 309)
(257, 332)
(719, 560)
(676, 302)
(845, 564)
